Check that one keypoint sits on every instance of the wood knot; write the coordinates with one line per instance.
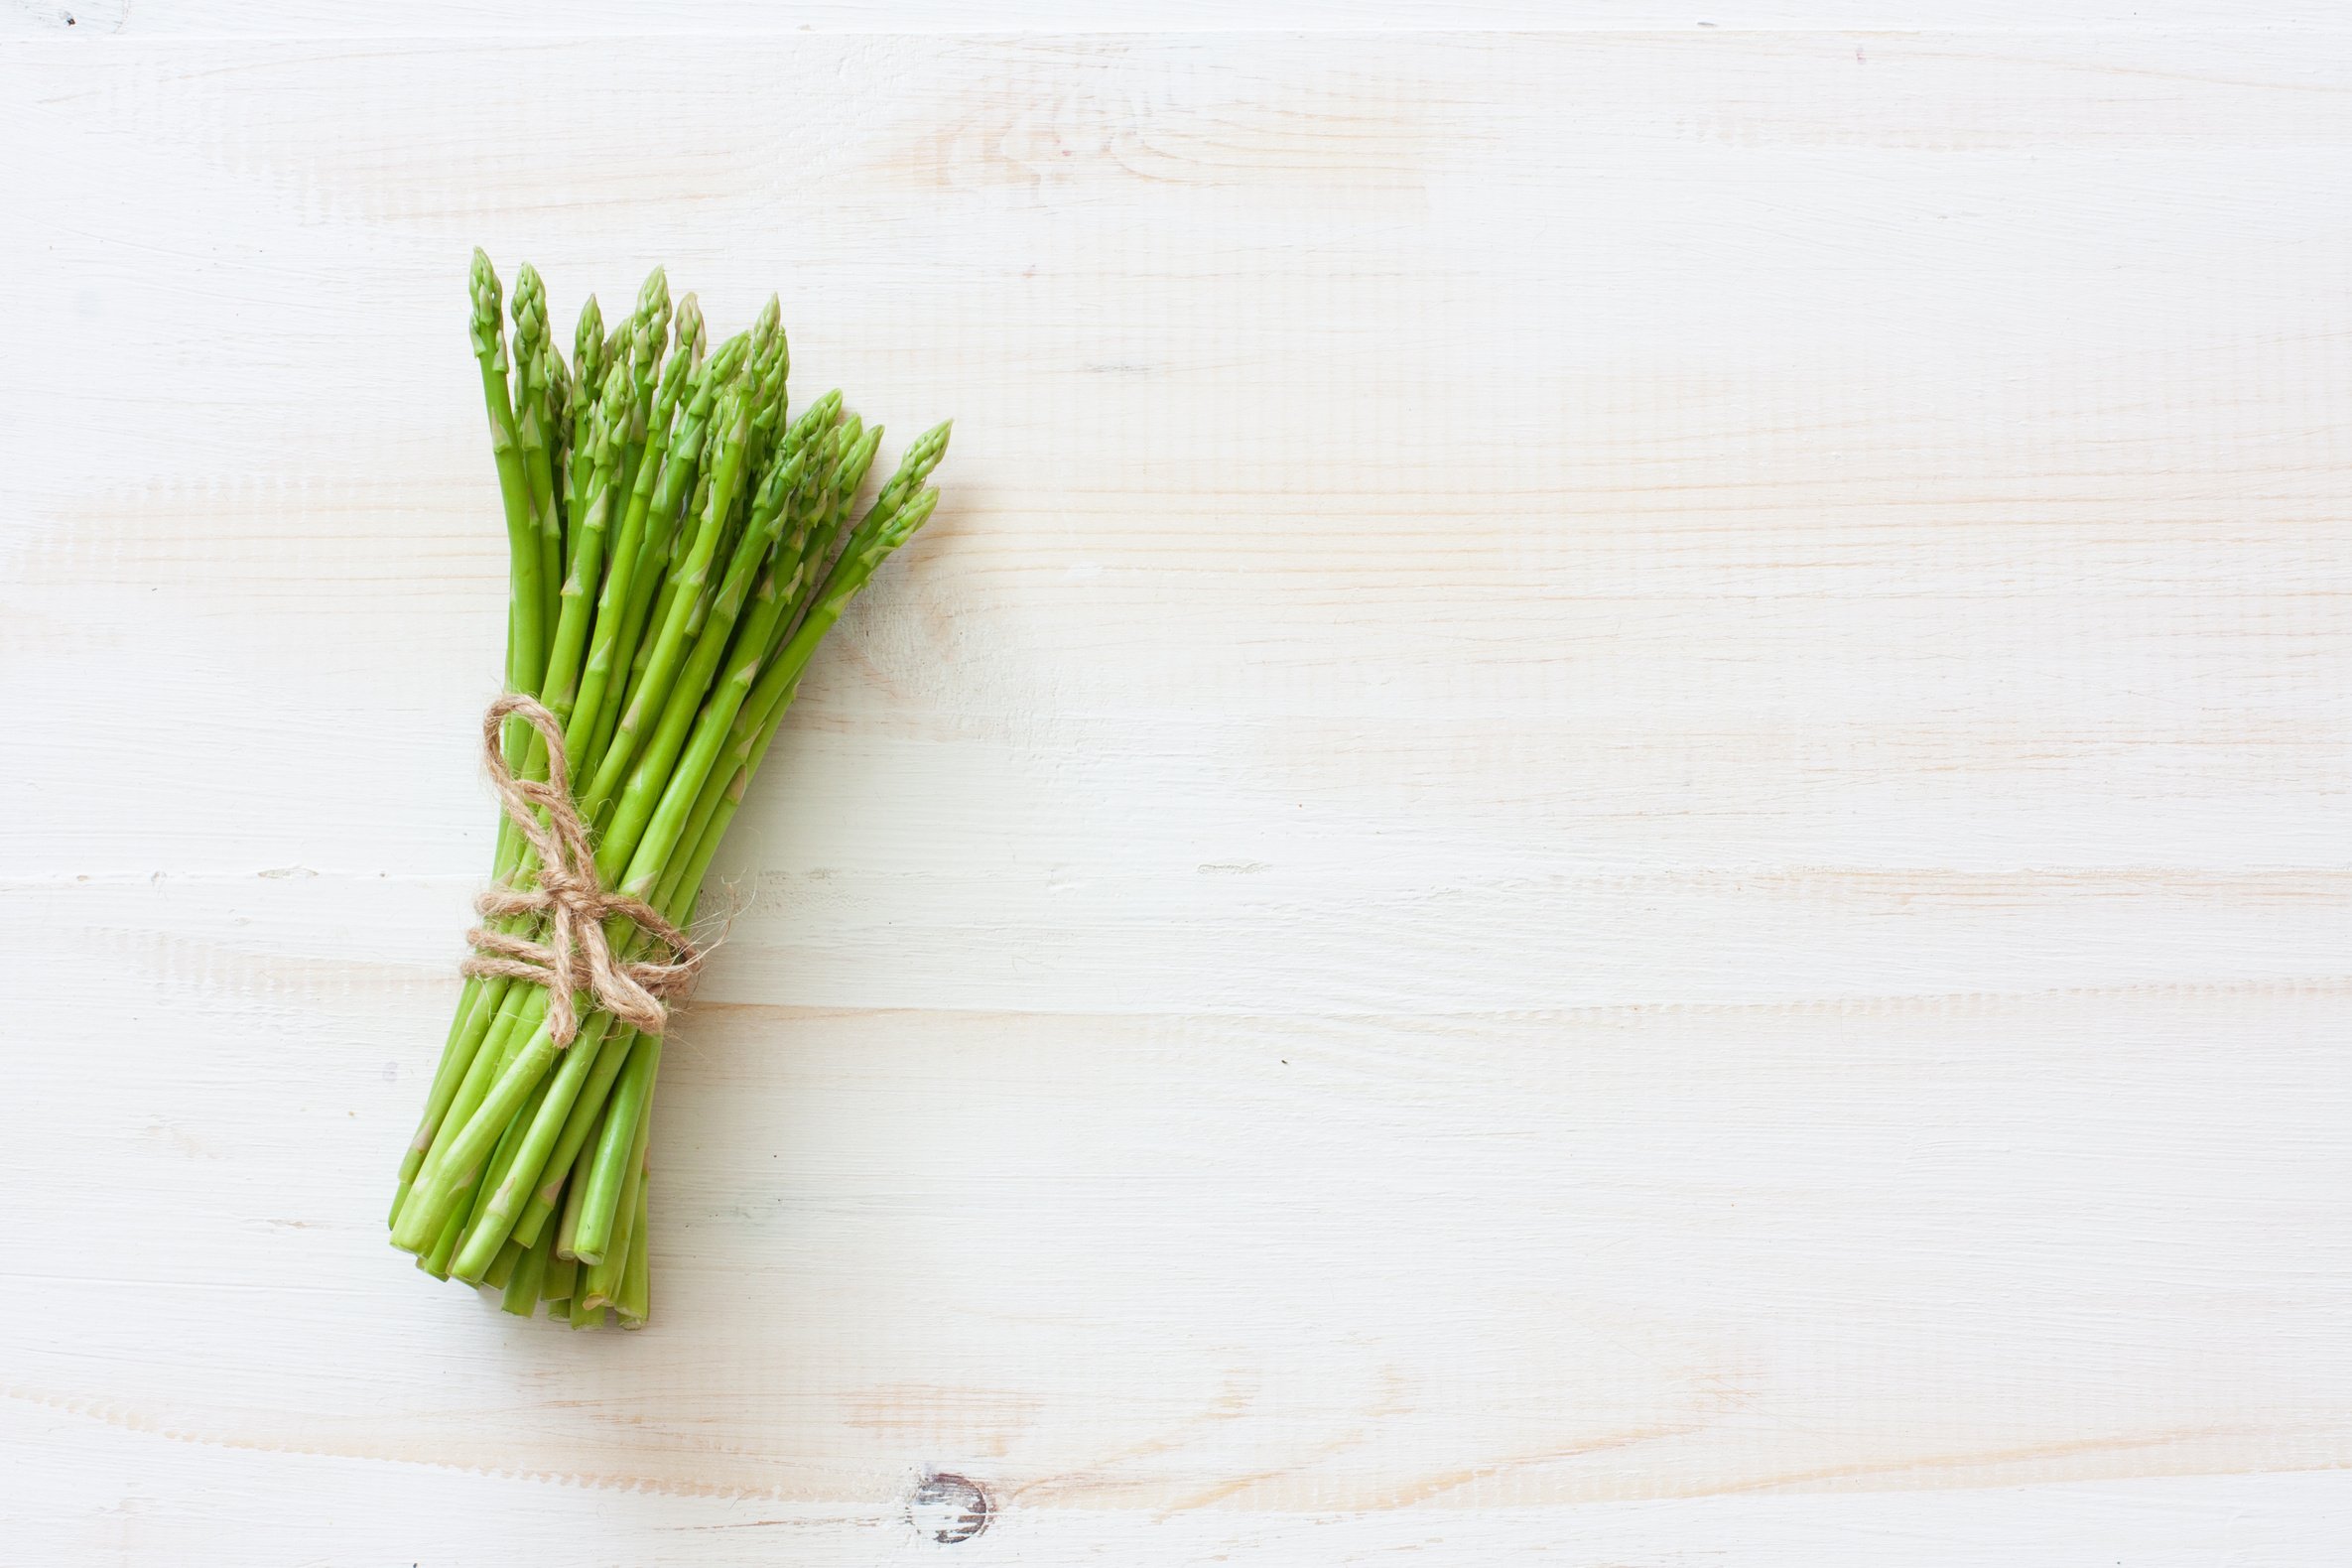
(948, 1509)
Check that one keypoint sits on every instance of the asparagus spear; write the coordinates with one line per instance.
(502, 1268)
(587, 347)
(605, 434)
(521, 1296)
(567, 1225)
(649, 339)
(534, 428)
(526, 648)
(557, 1284)
(635, 1301)
(620, 1151)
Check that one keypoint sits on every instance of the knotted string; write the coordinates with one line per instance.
(575, 904)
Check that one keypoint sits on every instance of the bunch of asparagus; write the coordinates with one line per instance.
(678, 548)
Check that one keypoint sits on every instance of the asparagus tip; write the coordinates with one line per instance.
(855, 459)
(530, 309)
(489, 340)
(902, 524)
(587, 340)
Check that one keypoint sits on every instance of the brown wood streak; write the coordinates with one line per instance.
(1411, 1491)
(1390, 1403)
(116, 1413)
(1233, 1402)
(1944, 1469)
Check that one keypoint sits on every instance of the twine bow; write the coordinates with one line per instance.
(575, 904)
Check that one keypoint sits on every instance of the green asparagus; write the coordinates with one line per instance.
(678, 545)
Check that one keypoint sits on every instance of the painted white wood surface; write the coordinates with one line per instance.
(541, 19)
(1611, 824)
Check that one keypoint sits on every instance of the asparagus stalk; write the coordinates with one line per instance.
(635, 1301)
(588, 358)
(606, 1275)
(535, 427)
(526, 648)
(521, 1296)
(567, 1225)
(619, 1153)
(502, 1268)
(605, 436)
(557, 1285)
(649, 338)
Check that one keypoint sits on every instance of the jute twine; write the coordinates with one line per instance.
(566, 894)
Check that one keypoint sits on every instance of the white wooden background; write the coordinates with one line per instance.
(1612, 825)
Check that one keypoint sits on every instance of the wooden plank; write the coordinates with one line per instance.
(85, 19)
(1609, 825)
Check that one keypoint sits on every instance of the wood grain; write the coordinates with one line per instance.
(1610, 825)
